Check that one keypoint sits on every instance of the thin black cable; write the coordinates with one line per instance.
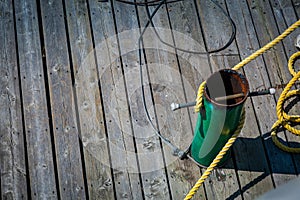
(158, 2)
(176, 150)
(231, 39)
(148, 3)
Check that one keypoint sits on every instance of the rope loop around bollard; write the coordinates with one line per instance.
(281, 122)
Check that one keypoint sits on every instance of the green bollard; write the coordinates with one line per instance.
(219, 117)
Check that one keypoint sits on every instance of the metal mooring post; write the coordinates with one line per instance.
(219, 117)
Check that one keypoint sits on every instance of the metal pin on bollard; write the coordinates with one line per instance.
(176, 106)
(271, 91)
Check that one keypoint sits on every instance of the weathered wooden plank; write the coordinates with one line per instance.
(89, 102)
(210, 16)
(121, 100)
(149, 153)
(12, 150)
(39, 147)
(121, 144)
(187, 32)
(285, 15)
(164, 72)
(266, 29)
(69, 165)
(296, 5)
(264, 107)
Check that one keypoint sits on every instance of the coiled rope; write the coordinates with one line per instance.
(284, 119)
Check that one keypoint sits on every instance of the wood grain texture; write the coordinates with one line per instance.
(12, 150)
(169, 88)
(121, 143)
(66, 137)
(211, 15)
(89, 102)
(285, 15)
(39, 147)
(149, 152)
(296, 5)
(187, 32)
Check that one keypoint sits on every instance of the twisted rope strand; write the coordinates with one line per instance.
(284, 119)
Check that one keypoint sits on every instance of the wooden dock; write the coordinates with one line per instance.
(72, 121)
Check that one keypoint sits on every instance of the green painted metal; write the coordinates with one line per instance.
(217, 121)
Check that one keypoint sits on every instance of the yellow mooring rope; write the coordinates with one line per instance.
(284, 119)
